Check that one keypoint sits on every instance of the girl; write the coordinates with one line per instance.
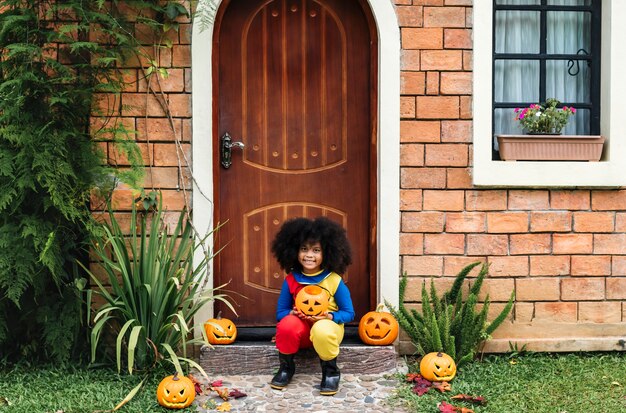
(312, 252)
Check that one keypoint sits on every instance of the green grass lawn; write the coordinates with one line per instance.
(565, 383)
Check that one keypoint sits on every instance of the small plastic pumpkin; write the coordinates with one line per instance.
(176, 392)
(378, 328)
(437, 366)
(312, 300)
(220, 330)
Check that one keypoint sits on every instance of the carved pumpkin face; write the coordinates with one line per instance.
(378, 328)
(176, 392)
(220, 330)
(437, 367)
(312, 300)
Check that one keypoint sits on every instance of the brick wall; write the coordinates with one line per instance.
(561, 250)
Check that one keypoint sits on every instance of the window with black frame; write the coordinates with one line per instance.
(546, 49)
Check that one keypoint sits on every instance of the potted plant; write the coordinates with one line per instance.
(543, 140)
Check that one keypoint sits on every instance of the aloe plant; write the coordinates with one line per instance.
(154, 290)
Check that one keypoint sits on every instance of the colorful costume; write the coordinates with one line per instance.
(325, 336)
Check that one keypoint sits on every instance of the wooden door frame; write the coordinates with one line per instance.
(387, 207)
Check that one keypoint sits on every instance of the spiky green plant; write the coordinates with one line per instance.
(154, 290)
(450, 323)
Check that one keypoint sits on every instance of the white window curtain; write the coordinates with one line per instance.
(518, 80)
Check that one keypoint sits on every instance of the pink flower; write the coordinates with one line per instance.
(573, 110)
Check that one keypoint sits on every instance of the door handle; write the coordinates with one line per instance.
(226, 144)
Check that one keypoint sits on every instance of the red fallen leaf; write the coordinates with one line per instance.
(237, 393)
(446, 408)
(196, 384)
(470, 399)
(421, 386)
(411, 377)
(216, 383)
(442, 386)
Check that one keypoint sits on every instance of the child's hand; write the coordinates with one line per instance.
(323, 316)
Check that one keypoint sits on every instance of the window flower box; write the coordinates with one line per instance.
(550, 147)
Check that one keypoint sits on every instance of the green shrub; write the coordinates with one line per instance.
(450, 323)
(154, 289)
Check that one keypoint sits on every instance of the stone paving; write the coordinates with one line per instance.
(357, 394)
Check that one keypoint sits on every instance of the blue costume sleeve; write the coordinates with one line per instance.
(345, 314)
(285, 302)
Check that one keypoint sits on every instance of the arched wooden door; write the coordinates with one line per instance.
(296, 85)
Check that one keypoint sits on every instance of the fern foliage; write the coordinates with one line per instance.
(451, 322)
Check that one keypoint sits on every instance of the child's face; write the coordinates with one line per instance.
(310, 257)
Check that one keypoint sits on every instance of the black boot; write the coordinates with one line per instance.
(285, 371)
(330, 377)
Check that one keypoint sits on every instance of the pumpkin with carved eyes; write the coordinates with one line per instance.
(312, 300)
(220, 330)
(378, 328)
(437, 366)
(176, 392)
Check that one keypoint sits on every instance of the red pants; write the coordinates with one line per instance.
(325, 336)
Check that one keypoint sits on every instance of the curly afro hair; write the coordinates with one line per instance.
(336, 251)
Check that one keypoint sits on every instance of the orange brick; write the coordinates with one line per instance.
(616, 288)
(560, 221)
(523, 312)
(483, 244)
(456, 131)
(420, 131)
(620, 222)
(608, 200)
(171, 155)
(531, 200)
(411, 155)
(468, 60)
(410, 60)
(180, 105)
(407, 107)
(458, 178)
(422, 265)
(609, 243)
(142, 104)
(412, 83)
(428, 221)
(456, 83)
(572, 200)
(457, 39)
(594, 221)
(576, 289)
(587, 265)
(452, 265)
(466, 107)
(423, 178)
(181, 56)
(604, 312)
(411, 244)
(446, 155)
(499, 289)
(162, 178)
(174, 82)
(486, 200)
(409, 16)
(422, 38)
(508, 266)
(557, 312)
(432, 83)
(507, 222)
(465, 222)
(572, 244)
(415, 285)
(444, 244)
(530, 244)
(537, 289)
(105, 104)
(550, 265)
(618, 265)
(187, 130)
(410, 200)
(437, 107)
(117, 156)
(107, 128)
(443, 200)
(158, 129)
(444, 16)
(441, 60)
